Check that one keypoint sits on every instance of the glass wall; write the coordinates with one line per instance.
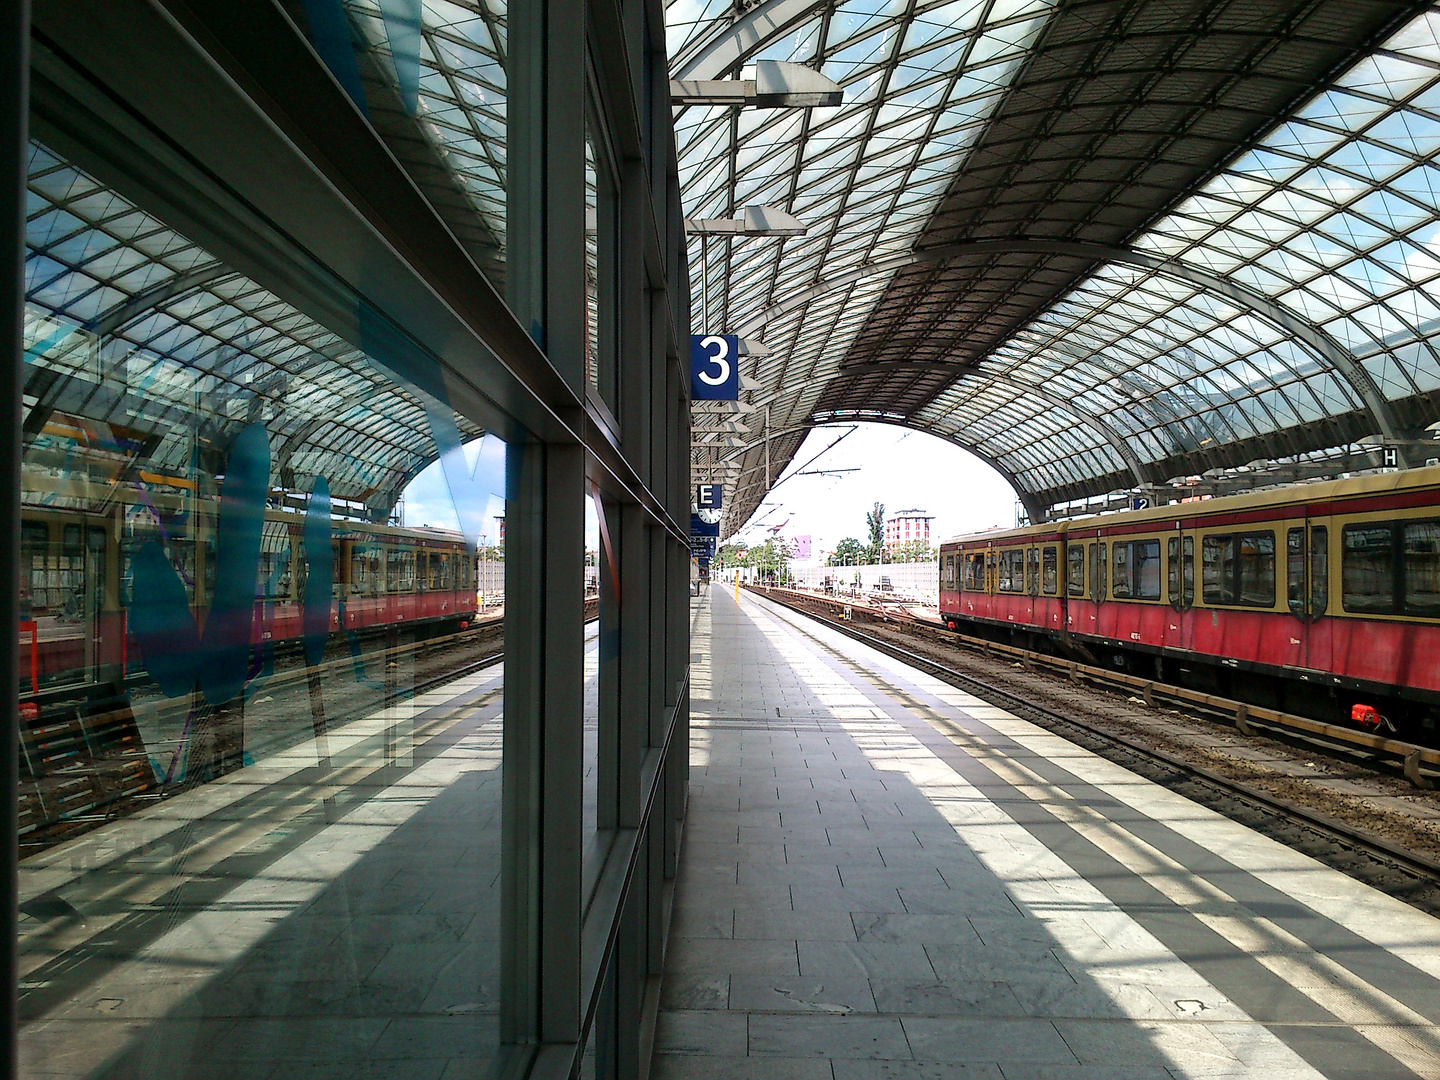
(335, 757)
(260, 745)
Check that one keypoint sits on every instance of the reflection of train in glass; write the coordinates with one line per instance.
(1313, 598)
(75, 580)
(84, 679)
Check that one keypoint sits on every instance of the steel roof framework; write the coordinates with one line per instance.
(1124, 226)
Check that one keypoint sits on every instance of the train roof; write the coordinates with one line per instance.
(1316, 492)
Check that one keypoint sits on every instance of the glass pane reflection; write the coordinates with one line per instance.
(260, 728)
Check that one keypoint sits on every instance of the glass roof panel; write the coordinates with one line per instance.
(920, 79)
(1334, 216)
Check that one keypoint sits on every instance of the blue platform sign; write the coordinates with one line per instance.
(702, 547)
(708, 497)
(700, 527)
(714, 367)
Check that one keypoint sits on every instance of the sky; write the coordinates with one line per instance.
(427, 501)
(902, 469)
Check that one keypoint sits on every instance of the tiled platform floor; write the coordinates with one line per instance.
(329, 913)
(883, 877)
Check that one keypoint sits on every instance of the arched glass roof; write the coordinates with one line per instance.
(1103, 245)
(131, 326)
(920, 81)
(1334, 215)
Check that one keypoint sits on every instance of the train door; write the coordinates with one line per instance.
(94, 587)
(1032, 584)
(1097, 578)
(1075, 587)
(1307, 566)
(1180, 586)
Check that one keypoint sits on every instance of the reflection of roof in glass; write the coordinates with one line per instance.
(150, 334)
(441, 106)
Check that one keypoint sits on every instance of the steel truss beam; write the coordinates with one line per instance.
(1343, 362)
(711, 58)
(1142, 472)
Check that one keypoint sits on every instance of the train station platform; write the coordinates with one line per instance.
(316, 915)
(883, 877)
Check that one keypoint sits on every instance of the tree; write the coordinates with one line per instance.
(848, 552)
(771, 558)
(875, 519)
(914, 551)
(733, 555)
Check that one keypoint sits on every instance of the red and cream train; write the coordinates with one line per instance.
(1314, 597)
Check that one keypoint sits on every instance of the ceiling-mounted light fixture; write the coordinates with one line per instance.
(778, 84)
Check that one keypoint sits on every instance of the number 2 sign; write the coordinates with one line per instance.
(714, 372)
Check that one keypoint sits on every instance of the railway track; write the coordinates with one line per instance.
(1407, 875)
(84, 771)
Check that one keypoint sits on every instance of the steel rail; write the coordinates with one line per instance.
(1246, 718)
(1328, 828)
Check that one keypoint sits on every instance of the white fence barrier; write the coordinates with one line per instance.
(918, 581)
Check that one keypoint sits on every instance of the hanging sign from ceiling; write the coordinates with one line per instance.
(714, 367)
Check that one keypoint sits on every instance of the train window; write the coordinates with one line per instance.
(1075, 569)
(1098, 572)
(1032, 571)
(1421, 549)
(975, 572)
(1120, 583)
(1142, 559)
(34, 547)
(1295, 571)
(442, 571)
(72, 543)
(1180, 553)
(1050, 570)
(1367, 568)
(949, 571)
(1307, 599)
(1010, 577)
(1319, 570)
(365, 570)
(399, 571)
(1239, 569)
(1187, 593)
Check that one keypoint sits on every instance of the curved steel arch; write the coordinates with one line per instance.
(1341, 360)
(1113, 438)
(113, 318)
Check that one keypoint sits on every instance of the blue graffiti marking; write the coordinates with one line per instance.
(402, 27)
(176, 654)
(320, 581)
(478, 494)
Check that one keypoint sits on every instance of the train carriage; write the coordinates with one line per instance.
(1324, 595)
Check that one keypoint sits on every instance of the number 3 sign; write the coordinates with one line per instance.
(714, 373)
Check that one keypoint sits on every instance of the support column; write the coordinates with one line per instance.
(14, 160)
(544, 742)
